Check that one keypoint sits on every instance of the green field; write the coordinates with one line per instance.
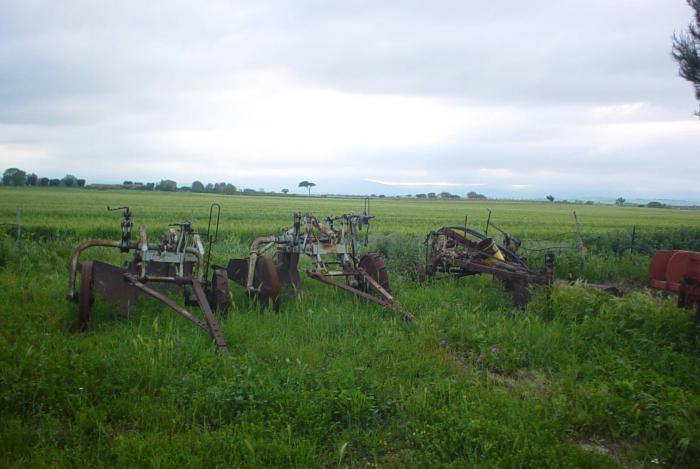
(578, 379)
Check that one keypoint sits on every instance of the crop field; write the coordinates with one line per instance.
(578, 378)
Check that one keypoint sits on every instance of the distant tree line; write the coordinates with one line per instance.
(17, 177)
(215, 188)
(620, 201)
(168, 185)
(443, 195)
(475, 196)
(138, 186)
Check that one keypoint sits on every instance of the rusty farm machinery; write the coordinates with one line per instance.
(332, 244)
(677, 272)
(176, 264)
(461, 251)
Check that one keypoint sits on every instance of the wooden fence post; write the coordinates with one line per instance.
(19, 229)
(580, 242)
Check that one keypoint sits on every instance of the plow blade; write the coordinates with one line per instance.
(265, 285)
(108, 280)
(237, 271)
(218, 296)
(288, 272)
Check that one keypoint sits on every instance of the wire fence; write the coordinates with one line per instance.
(579, 245)
(637, 240)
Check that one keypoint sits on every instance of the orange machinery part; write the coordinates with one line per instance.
(676, 271)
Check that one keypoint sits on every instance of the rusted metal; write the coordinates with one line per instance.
(332, 244)
(108, 281)
(374, 268)
(73, 262)
(208, 315)
(218, 292)
(265, 286)
(85, 299)
(175, 264)
(166, 300)
(509, 242)
(678, 272)
(288, 272)
(461, 251)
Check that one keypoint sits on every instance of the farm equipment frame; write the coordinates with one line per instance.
(461, 251)
(332, 244)
(177, 263)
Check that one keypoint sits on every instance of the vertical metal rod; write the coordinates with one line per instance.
(211, 239)
(580, 242)
(465, 221)
(634, 233)
(488, 222)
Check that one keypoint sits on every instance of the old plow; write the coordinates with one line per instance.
(460, 251)
(333, 246)
(177, 264)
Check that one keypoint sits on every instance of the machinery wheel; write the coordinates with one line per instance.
(373, 264)
(267, 283)
(85, 295)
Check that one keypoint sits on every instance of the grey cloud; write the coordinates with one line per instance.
(520, 52)
(84, 81)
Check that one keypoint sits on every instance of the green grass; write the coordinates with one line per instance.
(331, 381)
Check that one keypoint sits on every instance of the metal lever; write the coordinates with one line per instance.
(110, 209)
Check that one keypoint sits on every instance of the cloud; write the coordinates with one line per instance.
(314, 123)
(512, 97)
(421, 184)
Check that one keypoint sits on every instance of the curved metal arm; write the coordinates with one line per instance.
(200, 261)
(75, 255)
(254, 253)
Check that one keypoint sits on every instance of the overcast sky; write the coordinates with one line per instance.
(578, 98)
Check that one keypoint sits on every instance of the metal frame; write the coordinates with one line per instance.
(449, 250)
(175, 264)
(332, 244)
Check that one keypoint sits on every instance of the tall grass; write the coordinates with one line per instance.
(331, 381)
